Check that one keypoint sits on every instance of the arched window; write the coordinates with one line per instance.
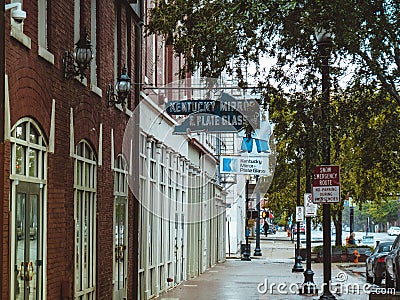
(28, 206)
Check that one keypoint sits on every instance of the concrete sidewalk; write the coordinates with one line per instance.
(267, 277)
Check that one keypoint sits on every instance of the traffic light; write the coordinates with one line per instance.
(265, 214)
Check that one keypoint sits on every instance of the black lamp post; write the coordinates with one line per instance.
(298, 267)
(351, 214)
(309, 287)
(246, 247)
(257, 250)
(324, 42)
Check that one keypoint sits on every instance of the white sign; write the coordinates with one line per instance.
(310, 207)
(299, 213)
(249, 164)
(328, 194)
(368, 239)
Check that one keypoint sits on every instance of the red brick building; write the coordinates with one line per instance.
(68, 225)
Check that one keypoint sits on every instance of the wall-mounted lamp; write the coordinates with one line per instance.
(122, 89)
(76, 64)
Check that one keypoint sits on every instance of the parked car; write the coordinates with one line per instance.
(392, 265)
(302, 229)
(393, 230)
(375, 263)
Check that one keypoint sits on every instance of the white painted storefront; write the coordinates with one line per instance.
(182, 208)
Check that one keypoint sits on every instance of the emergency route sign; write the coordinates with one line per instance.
(326, 184)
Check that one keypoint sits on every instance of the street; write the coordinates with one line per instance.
(316, 237)
(270, 277)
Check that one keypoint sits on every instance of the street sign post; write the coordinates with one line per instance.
(326, 184)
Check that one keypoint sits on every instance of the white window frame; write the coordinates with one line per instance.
(42, 32)
(85, 206)
(41, 179)
(93, 38)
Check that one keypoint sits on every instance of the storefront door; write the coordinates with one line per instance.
(120, 262)
(28, 254)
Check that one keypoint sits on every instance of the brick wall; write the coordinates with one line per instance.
(33, 84)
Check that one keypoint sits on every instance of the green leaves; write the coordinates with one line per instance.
(208, 33)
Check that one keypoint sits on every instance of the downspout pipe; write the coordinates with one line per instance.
(138, 88)
(2, 135)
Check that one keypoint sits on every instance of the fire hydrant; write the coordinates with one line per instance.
(288, 233)
(356, 256)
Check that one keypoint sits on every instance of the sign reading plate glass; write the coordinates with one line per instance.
(326, 184)
(254, 165)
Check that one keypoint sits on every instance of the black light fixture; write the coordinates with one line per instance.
(76, 64)
(122, 89)
(298, 267)
(324, 42)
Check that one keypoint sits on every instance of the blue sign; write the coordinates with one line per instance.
(229, 165)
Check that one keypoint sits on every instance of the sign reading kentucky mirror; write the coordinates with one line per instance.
(226, 114)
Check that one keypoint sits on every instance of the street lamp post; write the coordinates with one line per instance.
(246, 250)
(351, 214)
(309, 286)
(257, 250)
(298, 267)
(324, 42)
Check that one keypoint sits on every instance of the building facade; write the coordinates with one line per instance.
(68, 217)
(88, 211)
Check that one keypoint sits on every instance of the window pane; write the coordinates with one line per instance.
(33, 135)
(20, 160)
(33, 162)
(20, 131)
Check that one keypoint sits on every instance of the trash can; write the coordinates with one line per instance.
(245, 251)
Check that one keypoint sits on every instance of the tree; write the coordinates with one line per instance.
(364, 125)
(365, 112)
(208, 33)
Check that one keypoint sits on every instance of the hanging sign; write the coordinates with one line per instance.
(224, 115)
(246, 164)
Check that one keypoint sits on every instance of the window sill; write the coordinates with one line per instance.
(95, 89)
(46, 55)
